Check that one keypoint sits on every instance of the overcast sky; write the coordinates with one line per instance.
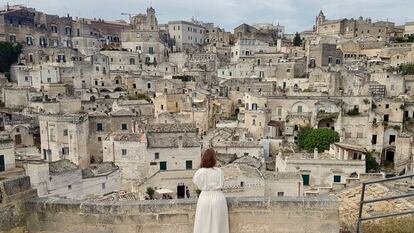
(295, 15)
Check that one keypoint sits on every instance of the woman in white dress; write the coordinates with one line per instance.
(212, 214)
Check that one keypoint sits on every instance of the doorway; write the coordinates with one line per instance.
(389, 156)
(180, 191)
(2, 164)
(17, 139)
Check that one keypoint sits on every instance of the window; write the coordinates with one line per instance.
(330, 60)
(163, 166)
(132, 61)
(65, 150)
(392, 139)
(124, 126)
(386, 117)
(12, 39)
(156, 155)
(374, 139)
(103, 186)
(189, 165)
(254, 122)
(29, 40)
(241, 184)
(306, 179)
(65, 132)
(124, 152)
(52, 135)
(162, 107)
(280, 194)
(300, 108)
(149, 85)
(151, 50)
(99, 139)
(337, 179)
(387, 106)
(338, 61)
(54, 29)
(69, 187)
(61, 58)
(99, 127)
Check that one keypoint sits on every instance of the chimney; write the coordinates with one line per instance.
(315, 153)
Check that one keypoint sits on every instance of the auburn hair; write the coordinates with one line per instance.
(208, 160)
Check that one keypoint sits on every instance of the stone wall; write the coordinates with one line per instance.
(13, 193)
(278, 214)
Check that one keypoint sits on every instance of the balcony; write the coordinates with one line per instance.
(299, 115)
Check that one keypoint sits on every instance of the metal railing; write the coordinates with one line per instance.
(363, 201)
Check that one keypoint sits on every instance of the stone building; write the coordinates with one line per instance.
(64, 137)
(324, 55)
(356, 28)
(324, 172)
(7, 157)
(65, 179)
(101, 125)
(186, 34)
(155, 148)
(146, 39)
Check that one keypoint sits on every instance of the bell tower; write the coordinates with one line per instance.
(319, 19)
(152, 22)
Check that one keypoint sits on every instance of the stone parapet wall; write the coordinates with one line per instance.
(13, 193)
(247, 215)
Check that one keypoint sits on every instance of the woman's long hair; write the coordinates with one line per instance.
(208, 160)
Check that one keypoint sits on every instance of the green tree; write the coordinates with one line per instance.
(302, 134)
(408, 39)
(297, 41)
(308, 139)
(406, 69)
(371, 163)
(150, 192)
(8, 55)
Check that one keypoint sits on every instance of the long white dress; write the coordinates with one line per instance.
(212, 214)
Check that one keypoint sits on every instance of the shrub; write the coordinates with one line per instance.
(371, 164)
(353, 112)
(406, 69)
(309, 138)
(150, 192)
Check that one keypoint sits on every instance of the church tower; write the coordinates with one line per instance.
(152, 22)
(319, 19)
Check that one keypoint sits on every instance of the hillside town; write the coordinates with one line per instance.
(92, 109)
